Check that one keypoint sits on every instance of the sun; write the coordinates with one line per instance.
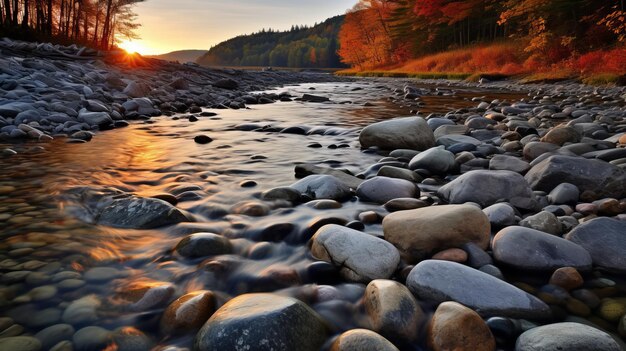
(132, 47)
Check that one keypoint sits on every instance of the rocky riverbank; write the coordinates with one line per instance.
(49, 91)
(497, 224)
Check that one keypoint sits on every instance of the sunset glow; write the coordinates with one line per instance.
(133, 47)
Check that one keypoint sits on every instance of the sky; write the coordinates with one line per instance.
(169, 25)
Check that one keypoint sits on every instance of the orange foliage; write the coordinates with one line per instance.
(611, 61)
(496, 58)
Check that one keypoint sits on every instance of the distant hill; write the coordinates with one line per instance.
(181, 56)
(300, 47)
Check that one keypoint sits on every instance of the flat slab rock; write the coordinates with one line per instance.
(439, 281)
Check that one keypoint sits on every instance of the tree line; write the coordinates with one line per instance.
(386, 32)
(300, 47)
(96, 23)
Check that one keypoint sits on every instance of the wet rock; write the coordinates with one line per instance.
(95, 118)
(422, 232)
(404, 203)
(532, 250)
(314, 98)
(20, 343)
(400, 133)
(203, 244)
(91, 339)
(114, 208)
(82, 311)
(564, 193)
(508, 163)
(383, 189)
(251, 208)
(202, 139)
(144, 296)
(360, 257)
(456, 327)
(562, 135)
(362, 340)
(439, 281)
(54, 334)
(131, 339)
(565, 336)
(453, 255)
(188, 313)
(500, 215)
(604, 239)
(543, 221)
(601, 178)
(281, 193)
(488, 187)
(436, 160)
(323, 187)
(567, 278)
(400, 173)
(102, 274)
(262, 322)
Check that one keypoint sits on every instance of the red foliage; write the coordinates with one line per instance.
(610, 61)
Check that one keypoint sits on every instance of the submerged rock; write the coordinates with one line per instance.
(323, 187)
(111, 207)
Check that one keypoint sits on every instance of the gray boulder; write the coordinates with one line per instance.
(437, 160)
(95, 118)
(262, 322)
(605, 239)
(531, 250)
(439, 281)
(488, 187)
(323, 187)
(383, 189)
(566, 336)
(360, 257)
(400, 133)
(602, 178)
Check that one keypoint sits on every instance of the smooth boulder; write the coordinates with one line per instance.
(422, 232)
(436, 160)
(323, 187)
(362, 340)
(440, 281)
(532, 250)
(262, 322)
(488, 187)
(392, 310)
(456, 327)
(383, 189)
(565, 336)
(605, 239)
(602, 178)
(400, 133)
(360, 257)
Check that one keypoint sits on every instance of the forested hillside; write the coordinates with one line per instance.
(301, 47)
(509, 36)
(181, 56)
(96, 23)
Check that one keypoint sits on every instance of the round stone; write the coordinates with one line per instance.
(567, 277)
(20, 343)
(203, 244)
(262, 322)
(362, 340)
(566, 336)
(456, 327)
(188, 313)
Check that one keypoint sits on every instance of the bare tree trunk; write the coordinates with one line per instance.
(15, 12)
(25, 18)
(107, 25)
(49, 18)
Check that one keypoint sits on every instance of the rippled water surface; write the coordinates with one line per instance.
(40, 237)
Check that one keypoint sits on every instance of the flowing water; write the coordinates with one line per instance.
(43, 243)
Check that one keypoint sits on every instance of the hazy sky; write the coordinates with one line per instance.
(169, 25)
